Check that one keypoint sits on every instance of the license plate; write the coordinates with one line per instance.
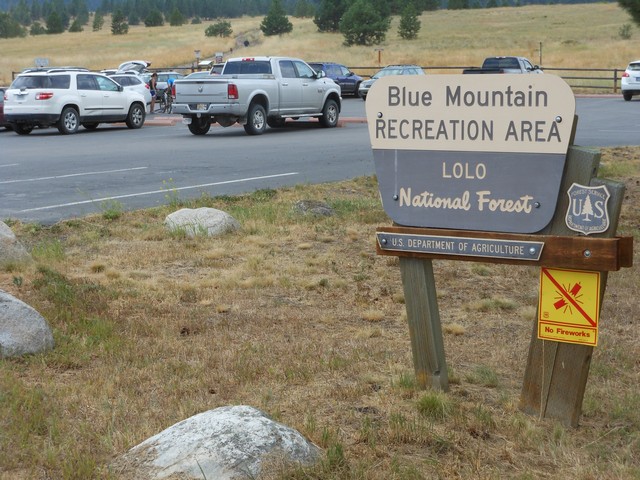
(201, 106)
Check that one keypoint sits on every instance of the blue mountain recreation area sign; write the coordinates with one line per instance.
(470, 152)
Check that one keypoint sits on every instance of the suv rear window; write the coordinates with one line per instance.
(234, 68)
(42, 81)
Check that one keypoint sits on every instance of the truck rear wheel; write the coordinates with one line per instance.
(200, 125)
(330, 114)
(256, 120)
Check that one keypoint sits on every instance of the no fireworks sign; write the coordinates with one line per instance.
(470, 152)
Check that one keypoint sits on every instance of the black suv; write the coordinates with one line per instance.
(349, 82)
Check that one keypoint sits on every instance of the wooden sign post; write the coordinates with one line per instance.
(482, 170)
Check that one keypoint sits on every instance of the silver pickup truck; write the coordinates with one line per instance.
(257, 92)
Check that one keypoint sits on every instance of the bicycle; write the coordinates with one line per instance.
(164, 100)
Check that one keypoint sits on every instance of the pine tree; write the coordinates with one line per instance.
(98, 21)
(176, 18)
(154, 19)
(119, 25)
(633, 8)
(409, 23)
(328, 15)
(276, 21)
(54, 23)
(363, 25)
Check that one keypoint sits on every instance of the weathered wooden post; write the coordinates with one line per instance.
(480, 168)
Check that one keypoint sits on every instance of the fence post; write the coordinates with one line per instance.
(615, 80)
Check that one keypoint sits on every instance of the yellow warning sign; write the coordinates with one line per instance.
(569, 306)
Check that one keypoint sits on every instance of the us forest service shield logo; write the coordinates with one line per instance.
(587, 211)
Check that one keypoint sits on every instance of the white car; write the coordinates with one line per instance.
(132, 81)
(365, 86)
(67, 98)
(630, 84)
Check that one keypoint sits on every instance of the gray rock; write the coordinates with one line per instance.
(201, 221)
(22, 330)
(11, 250)
(222, 444)
(313, 207)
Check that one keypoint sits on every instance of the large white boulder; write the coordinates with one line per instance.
(22, 330)
(201, 221)
(11, 250)
(222, 444)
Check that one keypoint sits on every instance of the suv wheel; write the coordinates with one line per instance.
(69, 121)
(627, 96)
(135, 118)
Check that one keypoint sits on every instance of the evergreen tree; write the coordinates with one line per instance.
(10, 27)
(154, 19)
(304, 9)
(37, 29)
(35, 10)
(219, 29)
(458, 4)
(21, 13)
(276, 21)
(133, 18)
(409, 23)
(98, 21)
(328, 15)
(119, 25)
(54, 23)
(76, 26)
(363, 25)
(633, 8)
(176, 18)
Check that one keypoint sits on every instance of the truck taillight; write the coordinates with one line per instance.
(232, 91)
(173, 90)
(44, 95)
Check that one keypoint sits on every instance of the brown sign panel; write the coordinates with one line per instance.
(471, 152)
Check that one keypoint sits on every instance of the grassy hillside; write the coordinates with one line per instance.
(584, 35)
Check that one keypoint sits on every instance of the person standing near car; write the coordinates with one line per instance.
(153, 86)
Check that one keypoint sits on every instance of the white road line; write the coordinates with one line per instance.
(153, 192)
(38, 179)
(10, 165)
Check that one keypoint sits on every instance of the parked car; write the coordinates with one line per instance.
(630, 84)
(3, 122)
(216, 69)
(68, 98)
(138, 66)
(199, 75)
(389, 70)
(349, 82)
(162, 78)
(133, 81)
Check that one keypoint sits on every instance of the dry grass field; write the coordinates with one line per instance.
(560, 36)
(299, 317)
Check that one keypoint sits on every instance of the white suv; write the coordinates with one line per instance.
(630, 84)
(67, 98)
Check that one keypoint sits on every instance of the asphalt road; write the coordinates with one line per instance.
(46, 177)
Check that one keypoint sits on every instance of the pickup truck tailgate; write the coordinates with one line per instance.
(201, 91)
